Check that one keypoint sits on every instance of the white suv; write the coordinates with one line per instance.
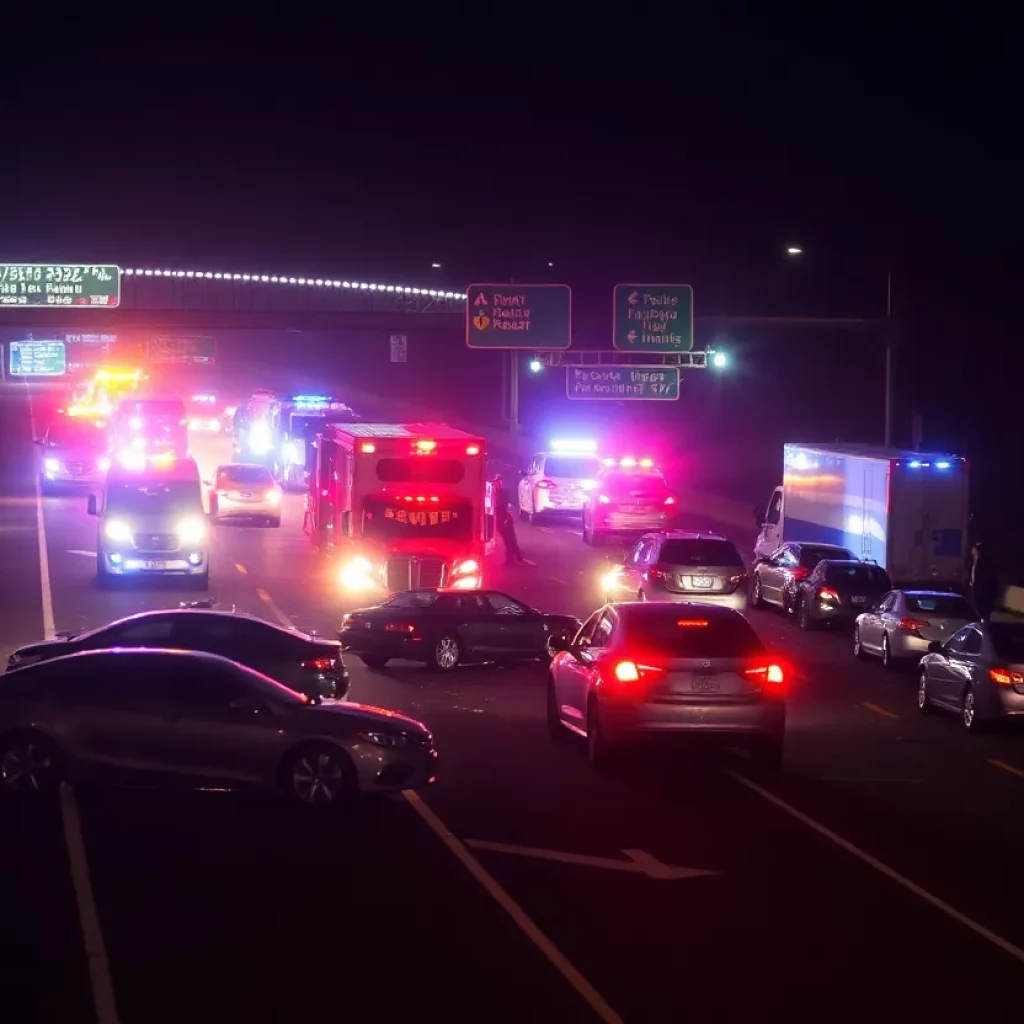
(557, 483)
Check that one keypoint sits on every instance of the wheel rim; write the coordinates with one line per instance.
(27, 767)
(447, 652)
(318, 778)
(922, 692)
(757, 588)
(886, 656)
(969, 712)
(856, 641)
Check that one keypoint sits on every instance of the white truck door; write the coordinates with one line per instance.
(770, 537)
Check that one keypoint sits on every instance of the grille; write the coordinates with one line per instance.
(156, 542)
(409, 573)
(77, 468)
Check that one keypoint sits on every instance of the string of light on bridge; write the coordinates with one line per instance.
(317, 282)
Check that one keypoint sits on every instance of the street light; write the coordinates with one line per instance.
(795, 250)
(435, 266)
(719, 360)
(536, 366)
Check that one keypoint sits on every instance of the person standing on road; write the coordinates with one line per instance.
(983, 582)
(505, 525)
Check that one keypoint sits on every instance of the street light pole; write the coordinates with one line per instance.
(888, 361)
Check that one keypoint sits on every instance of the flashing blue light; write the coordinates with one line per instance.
(311, 399)
(574, 446)
(916, 464)
(942, 465)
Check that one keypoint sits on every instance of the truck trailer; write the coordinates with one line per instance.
(906, 511)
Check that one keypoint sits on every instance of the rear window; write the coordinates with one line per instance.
(627, 483)
(700, 552)
(246, 474)
(580, 468)
(946, 606)
(413, 599)
(860, 575)
(810, 557)
(424, 469)
(1008, 641)
(681, 635)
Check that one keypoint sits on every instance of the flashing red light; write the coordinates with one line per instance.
(627, 462)
(426, 446)
(319, 664)
(400, 627)
(828, 594)
(770, 674)
(473, 449)
(647, 463)
(670, 500)
(367, 448)
(627, 672)
(912, 625)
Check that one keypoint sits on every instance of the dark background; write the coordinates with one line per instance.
(529, 147)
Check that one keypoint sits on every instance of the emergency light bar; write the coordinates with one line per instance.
(588, 447)
(204, 398)
(629, 462)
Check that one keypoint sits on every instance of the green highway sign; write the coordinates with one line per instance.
(653, 318)
(60, 284)
(37, 359)
(517, 316)
(622, 383)
(181, 350)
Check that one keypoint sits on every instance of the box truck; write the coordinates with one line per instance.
(906, 511)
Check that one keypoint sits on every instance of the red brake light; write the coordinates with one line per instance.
(400, 627)
(545, 485)
(670, 500)
(692, 623)
(367, 448)
(769, 674)
(737, 579)
(657, 572)
(473, 450)
(911, 625)
(354, 622)
(627, 672)
(1005, 677)
(828, 594)
(319, 664)
(800, 573)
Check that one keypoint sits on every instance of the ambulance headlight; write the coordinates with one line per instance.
(357, 575)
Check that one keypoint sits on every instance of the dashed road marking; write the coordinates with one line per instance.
(523, 921)
(278, 614)
(241, 568)
(1009, 768)
(878, 710)
(882, 868)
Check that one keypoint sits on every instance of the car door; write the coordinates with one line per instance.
(570, 680)
(961, 664)
(222, 728)
(150, 631)
(941, 674)
(520, 628)
(627, 580)
(872, 624)
(773, 573)
(474, 621)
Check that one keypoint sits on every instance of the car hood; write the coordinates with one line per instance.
(369, 717)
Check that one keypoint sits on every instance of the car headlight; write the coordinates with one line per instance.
(103, 464)
(292, 452)
(357, 575)
(192, 531)
(195, 423)
(51, 465)
(261, 441)
(466, 583)
(118, 531)
(385, 739)
(470, 565)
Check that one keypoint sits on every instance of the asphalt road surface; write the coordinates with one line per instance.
(875, 879)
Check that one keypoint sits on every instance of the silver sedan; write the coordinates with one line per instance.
(201, 720)
(904, 622)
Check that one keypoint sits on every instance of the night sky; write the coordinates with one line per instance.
(614, 146)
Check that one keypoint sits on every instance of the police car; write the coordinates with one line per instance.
(557, 481)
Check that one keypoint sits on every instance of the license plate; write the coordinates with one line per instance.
(155, 564)
(705, 684)
(245, 494)
(858, 600)
(702, 582)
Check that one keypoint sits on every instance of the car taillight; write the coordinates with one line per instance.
(351, 621)
(545, 485)
(800, 573)
(319, 664)
(770, 675)
(604, 499)
(828, 594)
(658, 572)
(912, 625)
(670, 500)
(1006, 677)
(400, 627)
(274, 495)
(736, 580)
(627, 672)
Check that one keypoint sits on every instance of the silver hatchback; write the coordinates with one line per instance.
(676, 565)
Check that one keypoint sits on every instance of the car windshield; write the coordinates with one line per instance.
(153, 497)
(945, 606)
(869, 576)
(677, 634)
(1008, 641)
(700, 552)
(76, 435)
(413, 599)
(436, 520)
(623, 484)
(580, 467)
(810, 557)
(245, 474)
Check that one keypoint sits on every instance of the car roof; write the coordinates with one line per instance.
(210, 612)
(688, 535)
(820, 547)
(850, 561)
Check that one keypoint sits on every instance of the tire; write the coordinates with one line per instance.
(889, 663)
(557, 732)
(767, 753)
(858, 651)
(600, 753)
(803, 615)
(524, 515)
(374, 661)
(969, 712)
(756, 596)
(924, 702)
(30, 763)
(445, 654)
(319, 775)
(200, 582)
(104, 580)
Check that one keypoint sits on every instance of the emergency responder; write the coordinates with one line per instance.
(505, 525)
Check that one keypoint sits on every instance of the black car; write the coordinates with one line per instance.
(776, 579)
(304, 664)
(838, 591)
(447, 628)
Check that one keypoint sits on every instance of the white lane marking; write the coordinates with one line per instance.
(49, 628)
(883, 869)
(493, 888)
(639, 863)
(278, 614)
(103, 998)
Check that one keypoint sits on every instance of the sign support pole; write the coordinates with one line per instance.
(513, 392)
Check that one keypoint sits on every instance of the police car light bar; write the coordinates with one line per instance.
(629, 462)
(574, 446)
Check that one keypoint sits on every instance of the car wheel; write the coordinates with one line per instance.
(556, 730)
(103, 578)
(888, 661)
(767, 753)
(803, 615)
(756, 593)
(969, 711)
(29, 763)
(320, 775)
(858, 650)
(446, 654)
(374, 662)
(601, 754)
(924, 702)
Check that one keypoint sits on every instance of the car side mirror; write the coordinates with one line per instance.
(91, 507)
(936, 647)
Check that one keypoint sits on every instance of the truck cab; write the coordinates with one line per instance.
(399, 506)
